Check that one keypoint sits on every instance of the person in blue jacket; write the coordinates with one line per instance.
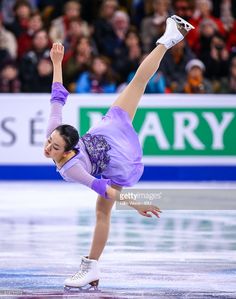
(100, 79)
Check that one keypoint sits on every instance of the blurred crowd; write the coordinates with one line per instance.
(105, 41)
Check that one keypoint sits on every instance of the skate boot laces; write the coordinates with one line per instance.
(84, 269)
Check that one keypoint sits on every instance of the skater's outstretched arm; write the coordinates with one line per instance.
(142, 209)
(59, 93)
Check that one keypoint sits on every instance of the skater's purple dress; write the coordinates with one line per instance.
(110, 149)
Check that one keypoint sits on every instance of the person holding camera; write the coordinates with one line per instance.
(216, 61)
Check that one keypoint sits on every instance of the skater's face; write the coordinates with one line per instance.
(55, 146)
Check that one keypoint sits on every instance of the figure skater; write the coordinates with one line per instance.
(110, 149)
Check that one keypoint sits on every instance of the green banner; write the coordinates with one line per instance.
(177, 131)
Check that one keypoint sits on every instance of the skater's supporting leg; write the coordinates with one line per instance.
(128, 100)
(103, 215)
(89, 269)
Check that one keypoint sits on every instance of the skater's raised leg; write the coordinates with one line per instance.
(129, 98)
(176, 29)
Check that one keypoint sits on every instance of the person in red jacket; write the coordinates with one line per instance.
(25, 39)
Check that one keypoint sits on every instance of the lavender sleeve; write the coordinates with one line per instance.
(58, 98)
(77, 173)
(59, 93)
(100, 186)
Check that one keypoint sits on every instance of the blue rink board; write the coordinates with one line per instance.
(151, 173)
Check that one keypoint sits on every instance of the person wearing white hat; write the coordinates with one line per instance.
(195, 63)
(195, 82)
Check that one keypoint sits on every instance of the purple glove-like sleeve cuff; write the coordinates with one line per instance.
(59, 93)
(100, 186)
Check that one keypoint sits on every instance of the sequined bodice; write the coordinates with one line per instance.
(97, 149)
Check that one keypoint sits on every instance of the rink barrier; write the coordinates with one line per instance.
(184, 138)
(151, 173)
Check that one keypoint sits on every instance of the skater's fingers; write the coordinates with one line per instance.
(157, 209)
(54, 46)
(145, 214)
(57, 47)
(155, 213)
(60, 47)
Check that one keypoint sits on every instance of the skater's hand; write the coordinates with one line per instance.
(146, 210)
(57, 53)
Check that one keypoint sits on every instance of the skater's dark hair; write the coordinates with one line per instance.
(70, 136)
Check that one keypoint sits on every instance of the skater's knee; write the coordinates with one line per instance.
(103, 215)
(140, 79)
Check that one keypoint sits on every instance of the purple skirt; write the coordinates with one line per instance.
(125, 167)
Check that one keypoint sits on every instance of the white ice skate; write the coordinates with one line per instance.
(87, 274)
(176, 29)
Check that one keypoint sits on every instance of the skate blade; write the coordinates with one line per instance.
(92, 287)
(183, 26)
(182, 23)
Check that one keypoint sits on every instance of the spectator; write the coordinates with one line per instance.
(4, 57)
(195, 81)
(22, 11)
(50, 9)
(226, 15)
(228, 84)
(232, 76)
(7, 9)
(207, 29)
(75, 32)
(153, 26)
(216, 60)
(60, 25)
(25, 39)
(131, 56)
(78, 62)
(231, 41)
(184, 8)
(7, 41)
(102, 26)
(114, 45)
(174, 63)
(42, 81)
(156, 84)
(90, 10)
(204, 11)
(120, 25)
(100, 79)
(9, 80)
(137, 12)
(219, 7)
(30, 61)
